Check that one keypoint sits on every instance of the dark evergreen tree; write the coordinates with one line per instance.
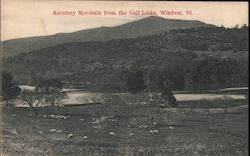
(135, 81)
(10, 90)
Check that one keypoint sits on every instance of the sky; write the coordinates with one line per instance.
(26, 18)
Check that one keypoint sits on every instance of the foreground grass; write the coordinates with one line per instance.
(193, 134)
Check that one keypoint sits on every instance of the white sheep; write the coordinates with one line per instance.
(14, 115)
(131, 134)
(151, 131)
(52, 130)
(85, 137)
(52, 116)
(171, 127)
(59, 131)
(154, 123)
(112, 133)
(70, 136)
(156, 131)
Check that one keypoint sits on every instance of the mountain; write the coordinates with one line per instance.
(143, 27)
(217, 55)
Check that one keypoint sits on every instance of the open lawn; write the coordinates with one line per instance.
(179, 133)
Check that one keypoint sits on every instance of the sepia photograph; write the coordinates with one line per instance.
(124, 78)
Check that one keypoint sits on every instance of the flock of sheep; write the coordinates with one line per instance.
(70, 136)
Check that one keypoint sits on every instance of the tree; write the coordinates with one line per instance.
(55, 97)
(51, 90)
(151, 110)
(236, 26)
(201, 72)
(135, 81)
(97, 106)
(169, 97)
(166, 93)
(33, 98)
(118, 106)
(10, 90)
(166, 87)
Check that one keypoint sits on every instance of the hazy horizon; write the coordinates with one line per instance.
(33, 18)
(97, 27)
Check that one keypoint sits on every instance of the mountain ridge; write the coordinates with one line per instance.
(143, 27)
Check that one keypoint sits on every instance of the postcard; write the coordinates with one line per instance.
(124, 78)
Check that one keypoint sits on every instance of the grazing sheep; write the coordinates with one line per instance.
(70, 136)
(171, 127)
(14, 115)
(96, 126)
(112, 133)
(52, 130)
(85, 137)
(131, 134)
(154, 123)
(154, 131)
(82, 119)
(59, 131)
(143, 103)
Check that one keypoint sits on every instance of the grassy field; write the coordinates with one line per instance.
(194, 133)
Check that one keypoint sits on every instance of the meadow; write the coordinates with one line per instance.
(178, 131)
